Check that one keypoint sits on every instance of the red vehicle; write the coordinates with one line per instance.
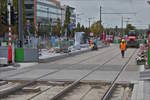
(132, 39)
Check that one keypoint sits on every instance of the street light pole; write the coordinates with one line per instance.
(61, 19)
(20, 2)
(122, 24)
(100, 16)
(89, 22)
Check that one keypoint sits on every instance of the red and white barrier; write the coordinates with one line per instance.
(9, 47)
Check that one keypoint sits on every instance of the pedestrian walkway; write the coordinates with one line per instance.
(145, 77)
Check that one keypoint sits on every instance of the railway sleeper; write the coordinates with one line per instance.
(31, 89)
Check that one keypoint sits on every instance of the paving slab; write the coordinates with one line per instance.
(4, 69)
(30, 75)
(133, 68)
(66, 75)
(129, 76)
(13, 72)
(101, 76)
(82, 67)
(146, 90)
(50, 66)
(110, 67)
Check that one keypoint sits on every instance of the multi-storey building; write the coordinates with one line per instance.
(73, 15)
(45, 12)
(42, 12)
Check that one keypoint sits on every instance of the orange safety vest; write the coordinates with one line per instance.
(122, 46)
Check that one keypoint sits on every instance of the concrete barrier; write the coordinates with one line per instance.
(62, 56)
(26, 55)
(31, 55)
(50, 59)
(4, 52)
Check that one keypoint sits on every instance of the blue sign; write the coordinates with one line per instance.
(70, 27)
(53, 41)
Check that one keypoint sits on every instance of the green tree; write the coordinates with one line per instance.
(82, 28)
(67, 20)
(128, 28)
(3, 7)
(96, 28)
(87, 30)
(78, 29)
(57, 28)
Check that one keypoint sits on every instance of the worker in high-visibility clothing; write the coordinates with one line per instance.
(123, 47)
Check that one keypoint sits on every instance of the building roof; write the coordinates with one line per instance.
(64, 7)
(55, 1)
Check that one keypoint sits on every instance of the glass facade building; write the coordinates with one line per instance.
(42, 11)
(45, 12)
(73, 15)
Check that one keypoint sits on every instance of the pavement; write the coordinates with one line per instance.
(143, 87)
(74, 67)
(46, 56)
(17, 66)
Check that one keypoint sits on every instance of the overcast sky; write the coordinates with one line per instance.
(90, 9)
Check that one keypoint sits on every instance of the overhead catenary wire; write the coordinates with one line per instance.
(133, 12)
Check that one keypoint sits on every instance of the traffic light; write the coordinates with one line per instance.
(14, 16)
(4, 17)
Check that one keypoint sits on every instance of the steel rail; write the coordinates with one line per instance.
(71, 86)
(8, 92)
(58, 70)
(109, 91)
(70, 66)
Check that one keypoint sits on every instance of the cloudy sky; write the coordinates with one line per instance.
(90, 9)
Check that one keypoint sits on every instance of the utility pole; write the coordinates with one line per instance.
(128, 20)
(122, 13)
(20, 2)
(100, 16)
(122, 24)
(61, 20)
(89, 22)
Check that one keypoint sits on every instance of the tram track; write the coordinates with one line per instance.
(30, 69)
(62, 90)
(78, 81)
(19, 87)
(107, 91)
